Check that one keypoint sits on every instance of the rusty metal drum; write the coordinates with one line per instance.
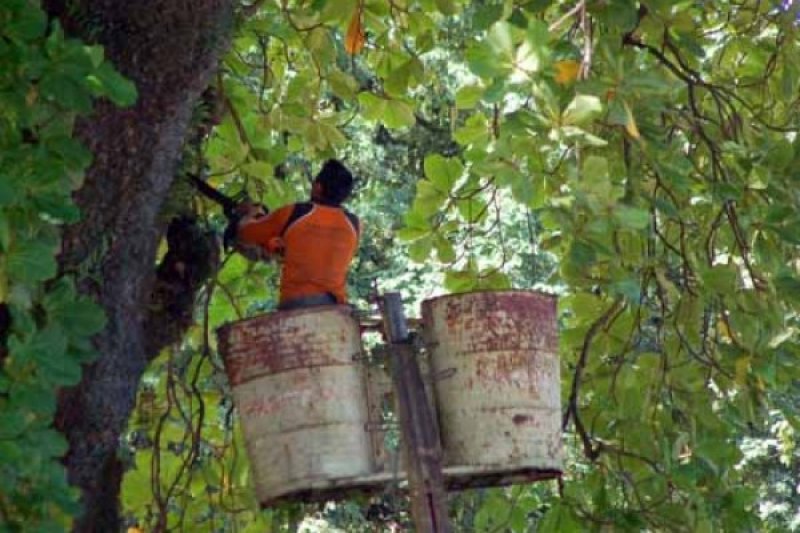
(300, 392)
(496, 379)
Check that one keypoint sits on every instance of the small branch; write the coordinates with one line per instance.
(586, 26)
(572, 404)
(744, 248)
(710, 253)
(569, 14)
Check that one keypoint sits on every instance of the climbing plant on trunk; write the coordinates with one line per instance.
(653, 145)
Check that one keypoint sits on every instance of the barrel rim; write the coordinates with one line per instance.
(291, 312)
(430, 301)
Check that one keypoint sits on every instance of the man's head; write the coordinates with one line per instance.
(333, 184)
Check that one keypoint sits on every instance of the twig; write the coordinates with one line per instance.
(569, 14)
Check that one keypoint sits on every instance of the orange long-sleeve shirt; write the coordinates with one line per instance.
(319, 242)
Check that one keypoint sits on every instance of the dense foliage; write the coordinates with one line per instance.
(648, 149)
(45, 80)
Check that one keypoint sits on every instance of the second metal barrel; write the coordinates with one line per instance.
(495, 367)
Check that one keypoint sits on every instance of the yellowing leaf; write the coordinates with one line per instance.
(742, 369)
(630, 124)
(355, 38)
(566, 71)
(724, 331)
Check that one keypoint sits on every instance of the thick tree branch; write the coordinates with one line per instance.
(192, 258)
(572, 404)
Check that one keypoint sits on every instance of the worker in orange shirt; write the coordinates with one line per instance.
(317, 239)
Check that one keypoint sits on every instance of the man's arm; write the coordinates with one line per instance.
(263, 230)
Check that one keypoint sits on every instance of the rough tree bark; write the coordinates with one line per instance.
(170, 49)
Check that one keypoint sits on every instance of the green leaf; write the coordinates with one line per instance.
(559, 519)
(429, 199)
(460, 281)
(492, 57)
(473, 209)
(621, 15)
(343, 85)
(258, 169)
(398, 115)
(446, 7)
(420, 250)
(474, 131)
(11, 191)
(78, 316)
(58, 87)
(5, 232)
(581, 253)
(486, 15)
(634, 218)
(468, 96)
(75, 155)
(96, 54)
(31, 261)
(411, 233)
(721, 278)
(42, 347)
(629, 288)
(392, 113)
(62, 371)
(83, 318)
(30, 23)
(12, 423)
(119, 89)
(49, 442)
(58, 205)
(444, 249)
(581, 110)
(780, 154)
(443, 172)
(595, 169)
(500, 39)
(787, 286)
(578, 134)
(494, 280)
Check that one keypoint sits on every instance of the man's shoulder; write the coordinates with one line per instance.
(296, 211)
(353, 220)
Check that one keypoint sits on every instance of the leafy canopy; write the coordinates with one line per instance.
(649, 147)
(46, 80)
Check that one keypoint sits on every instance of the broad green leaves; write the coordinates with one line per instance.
(393, 113)
(443, 173)
(45, 82)
(507, 51)
(652, 154)
(581, 110)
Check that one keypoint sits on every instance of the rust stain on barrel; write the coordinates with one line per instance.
(520, 419)
(504, 348)
(273, 343)
(301, 400)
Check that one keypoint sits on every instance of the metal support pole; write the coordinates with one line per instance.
(420, 438)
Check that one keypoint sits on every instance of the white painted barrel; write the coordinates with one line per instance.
(300, 393)
(496, 380)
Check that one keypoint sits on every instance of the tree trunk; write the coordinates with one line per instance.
(169, 48)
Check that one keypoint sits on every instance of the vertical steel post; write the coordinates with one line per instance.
(420, 439)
